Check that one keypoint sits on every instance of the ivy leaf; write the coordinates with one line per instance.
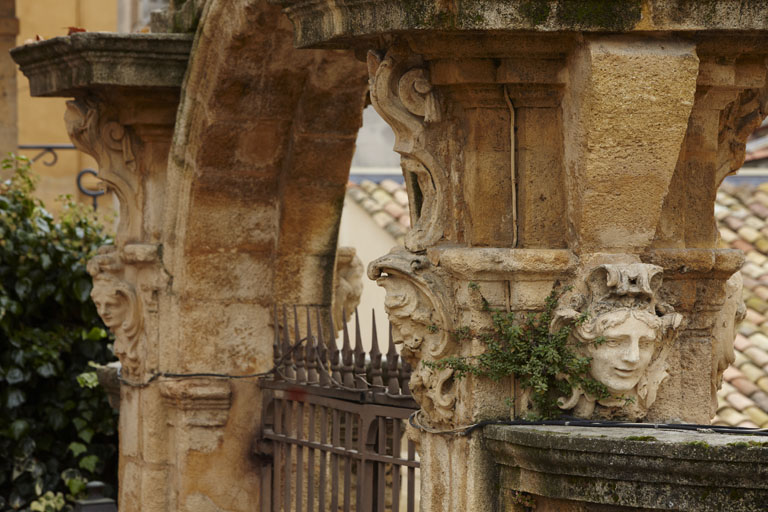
(86, 434)
(89, 463)
(22, 287)
(76, 448)
(18, 428)
(95, 334)
(14, 376)
(15, 398)
(46, 370)
(82, 289)
(45, 261)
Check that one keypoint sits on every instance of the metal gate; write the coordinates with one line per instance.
(333, 421)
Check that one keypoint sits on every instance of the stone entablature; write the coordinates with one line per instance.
(358, 22)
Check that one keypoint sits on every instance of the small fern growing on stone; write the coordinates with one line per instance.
(542, 361)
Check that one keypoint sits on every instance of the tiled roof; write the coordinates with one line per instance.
(742, 216)
(386, 202)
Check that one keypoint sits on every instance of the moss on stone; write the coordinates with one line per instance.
(536, 13)
(641, 438)
(700, 444)
(602, 14)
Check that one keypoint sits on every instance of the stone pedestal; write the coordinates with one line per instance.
(552, 144)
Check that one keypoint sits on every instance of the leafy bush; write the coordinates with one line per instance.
(55, 434)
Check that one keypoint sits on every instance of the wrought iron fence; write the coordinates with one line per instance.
(50, 150)
(333, 429)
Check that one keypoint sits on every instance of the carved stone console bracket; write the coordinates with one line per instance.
(200, 402)
(422, 322)
(403, 95)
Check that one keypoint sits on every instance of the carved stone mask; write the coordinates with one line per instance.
(111, 303)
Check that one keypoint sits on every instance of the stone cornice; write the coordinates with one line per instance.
(632, 467)
(332, 23)
(68, 66)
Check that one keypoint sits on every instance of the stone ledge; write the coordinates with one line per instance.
(332, 23)
(633, 467)
(501, 263)
(66, 66)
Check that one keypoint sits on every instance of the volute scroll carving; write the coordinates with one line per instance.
(405, 98)
(94, 131)
(619, 322)
(422, 324)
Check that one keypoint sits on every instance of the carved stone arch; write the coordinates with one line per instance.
(257, 175)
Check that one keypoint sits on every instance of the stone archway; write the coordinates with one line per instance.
(256, 180)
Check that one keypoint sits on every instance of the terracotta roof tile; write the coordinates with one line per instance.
(401, 196)
(759, 339)
(390, 186)
(733, 223)
(758, 416)
(757, 355)
(760, 398)
(746, 387)
(739, 401)
(742, 343)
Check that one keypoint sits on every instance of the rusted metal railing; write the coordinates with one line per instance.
(333, 431)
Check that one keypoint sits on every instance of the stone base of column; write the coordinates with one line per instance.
(583, 469)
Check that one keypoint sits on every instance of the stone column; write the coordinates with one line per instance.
(127, 127)
(543, 146)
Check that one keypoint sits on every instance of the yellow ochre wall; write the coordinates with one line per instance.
(41, 120)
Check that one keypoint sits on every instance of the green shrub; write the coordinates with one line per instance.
(55, 434)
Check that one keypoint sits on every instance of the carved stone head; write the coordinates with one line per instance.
(626, 334)
(118, 306)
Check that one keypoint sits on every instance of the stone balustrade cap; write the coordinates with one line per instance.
(334, 23)
(634, 467)
(68, 65)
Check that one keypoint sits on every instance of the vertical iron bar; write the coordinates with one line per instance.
(298, 352)
(323, 440)
(396, 435)
(311, 353)
(393, 383)
(324, 378)
(288, 354)
(347, 461)
(411, 477)
(299, 455)
(376, 380)
(288, 457)
(382, 467)
(279, 461)
(360, 380)
(347, 359)
(335, 441)
(311, 460)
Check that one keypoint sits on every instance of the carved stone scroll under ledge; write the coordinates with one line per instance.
(404, 97)
(627, 334)
(422, 324)
(94, 131)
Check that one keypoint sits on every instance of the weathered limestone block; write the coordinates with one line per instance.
(626, 114)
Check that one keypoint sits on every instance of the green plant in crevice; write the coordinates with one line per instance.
(523, 346)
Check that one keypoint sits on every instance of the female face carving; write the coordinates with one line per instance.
(111, 305)
(623, 358)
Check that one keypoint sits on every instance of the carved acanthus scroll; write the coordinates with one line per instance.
(619, 323)
(404, 97)
(94, 131)
(422, 324)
